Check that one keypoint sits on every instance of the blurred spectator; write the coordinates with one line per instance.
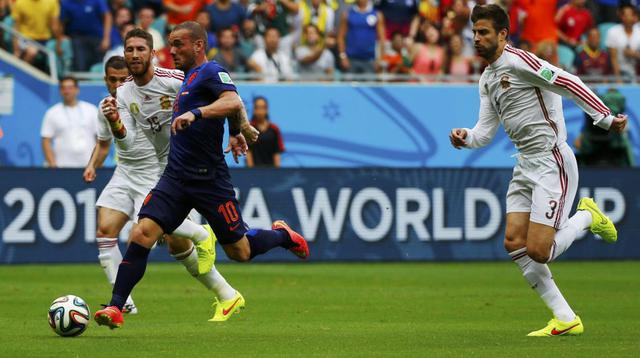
(226, 14)
(250, 39)
(313, 57)
(547, 50)
(397, 60)
(146, 16)
(271, 61)
(361, 27)
(266, 151)
(182, 10)
(516, 17)
(317, 13)
(229, 55)
(599, 147)
(573, 21)
(398, 15)
(123, 15)
(5, 11)
(204, 19)
(88, 24)
(119, 50)
(539, 25)
(623, 42)
(69, 129)
(428, 57)
(591, 60)
(606, 10)
(457, 63)
(119, 4)
(156, 5)
(272, 13)
(35, 19)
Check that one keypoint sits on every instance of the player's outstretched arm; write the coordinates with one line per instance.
(542, 74)
(240, 124)
(227, 104)
(484, 130)
(100, 153)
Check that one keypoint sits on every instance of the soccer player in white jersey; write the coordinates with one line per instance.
(138, 132)
(523, 93)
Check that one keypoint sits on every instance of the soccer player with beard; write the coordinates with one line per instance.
(135, 175)
(196, 176)
(524, 94)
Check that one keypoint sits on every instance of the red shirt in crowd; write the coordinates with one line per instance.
(574, 21)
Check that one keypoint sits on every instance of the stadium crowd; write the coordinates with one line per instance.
(318, 39)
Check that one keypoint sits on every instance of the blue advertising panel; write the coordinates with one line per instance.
(362, 214)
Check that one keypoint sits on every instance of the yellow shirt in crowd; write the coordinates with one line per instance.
(33, 17)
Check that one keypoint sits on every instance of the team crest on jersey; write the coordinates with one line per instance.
(165, 102)
(225, 78)
(504, 82)
(133, 108)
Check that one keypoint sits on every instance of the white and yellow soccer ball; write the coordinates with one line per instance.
(69, 316)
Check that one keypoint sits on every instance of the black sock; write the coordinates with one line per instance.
(262, 241)
(130, 272)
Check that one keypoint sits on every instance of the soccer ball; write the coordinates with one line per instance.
(69, 316)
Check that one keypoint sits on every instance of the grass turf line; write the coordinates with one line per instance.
(327, 310)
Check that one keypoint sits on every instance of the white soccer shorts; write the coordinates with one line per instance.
(126, 190)
(545, 186)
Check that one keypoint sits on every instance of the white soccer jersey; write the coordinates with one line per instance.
(523, 93)
(141, 155)
(151, 107)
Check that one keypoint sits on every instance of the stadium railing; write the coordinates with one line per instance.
(50, 54)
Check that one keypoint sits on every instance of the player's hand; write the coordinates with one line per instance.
(457, 138)
(89, 174)
(182, 122)
(237, 146)
(619, 123)
(250, 133)
(109, 109)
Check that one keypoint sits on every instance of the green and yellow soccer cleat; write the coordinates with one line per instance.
(224, 309)
(601, 225)
(556, 327)
(206, 250)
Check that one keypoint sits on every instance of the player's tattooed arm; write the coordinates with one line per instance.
(239, 123)
(226, 106)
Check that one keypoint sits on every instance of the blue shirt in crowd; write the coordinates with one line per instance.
(83, 17)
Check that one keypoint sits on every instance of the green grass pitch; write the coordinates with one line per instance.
(329, 310)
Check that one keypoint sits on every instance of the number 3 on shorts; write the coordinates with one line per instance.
(552, 212)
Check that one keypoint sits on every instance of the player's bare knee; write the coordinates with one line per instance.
(538, 253)
(106, 231)
(141, 236)
(514, 241)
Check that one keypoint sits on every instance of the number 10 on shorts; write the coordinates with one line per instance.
(228, 210)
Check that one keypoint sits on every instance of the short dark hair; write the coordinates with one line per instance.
(69, 78)
(495, 13)
(195, 29)
(140, 33)
(115, 62)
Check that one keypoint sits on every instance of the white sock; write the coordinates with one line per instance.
(110, 257)
(539, 277)
(212, 280)
(191, 231)
(564, 237)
